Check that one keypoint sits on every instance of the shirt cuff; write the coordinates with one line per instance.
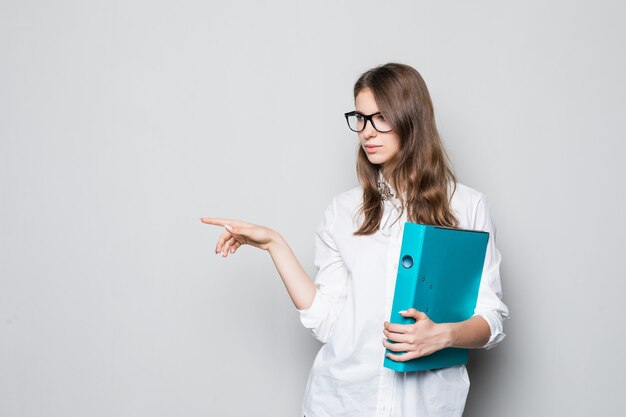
(312, 316)
(494, 320)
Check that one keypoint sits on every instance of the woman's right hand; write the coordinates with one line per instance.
(239, 233)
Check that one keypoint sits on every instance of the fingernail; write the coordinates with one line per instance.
(402, 312)
(228, 227)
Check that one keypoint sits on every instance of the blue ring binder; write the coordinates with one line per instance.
(440, 275)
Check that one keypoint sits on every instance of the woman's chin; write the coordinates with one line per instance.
(376, 159)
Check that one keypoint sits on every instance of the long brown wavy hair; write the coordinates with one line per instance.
(421, 168)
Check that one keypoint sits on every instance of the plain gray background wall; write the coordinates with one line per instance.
(123, 122)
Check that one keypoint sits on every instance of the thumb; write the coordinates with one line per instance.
(412, 312)
(237, 230)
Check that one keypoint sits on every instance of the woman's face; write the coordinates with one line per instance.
(379, 147)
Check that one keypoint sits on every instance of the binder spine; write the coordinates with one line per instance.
(417, 269)
(409, 264)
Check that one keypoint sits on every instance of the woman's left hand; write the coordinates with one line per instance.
(418, 339)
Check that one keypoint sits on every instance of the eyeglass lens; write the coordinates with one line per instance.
(357, 122)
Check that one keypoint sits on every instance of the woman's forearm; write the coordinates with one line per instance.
(471, 333)
(300, 287)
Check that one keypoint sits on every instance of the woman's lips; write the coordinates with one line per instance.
(371, 149)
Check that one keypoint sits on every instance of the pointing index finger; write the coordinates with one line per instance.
(213, 220)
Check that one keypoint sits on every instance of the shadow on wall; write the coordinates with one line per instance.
(486, 369)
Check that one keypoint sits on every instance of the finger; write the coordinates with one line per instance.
(412, 312)
(397, 337)
(224, 237)
(237, 229)
(216, 221)
(235, 246)
(234, 243)
(239, 239)
(401, 358)
(221, 240)
(397, 328)
(226, 223)
(227, 245)
(396, 347)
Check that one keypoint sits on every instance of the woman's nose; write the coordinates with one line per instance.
(368, 130)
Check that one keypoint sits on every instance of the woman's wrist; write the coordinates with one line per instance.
(276, 239)
(449, 334)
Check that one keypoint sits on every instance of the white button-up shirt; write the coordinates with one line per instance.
(355, 285)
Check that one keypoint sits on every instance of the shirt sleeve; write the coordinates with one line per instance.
(489, 304)
(331, 280)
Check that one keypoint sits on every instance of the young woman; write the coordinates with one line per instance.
(404, 176)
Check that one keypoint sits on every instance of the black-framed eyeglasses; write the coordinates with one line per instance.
(357, 121)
